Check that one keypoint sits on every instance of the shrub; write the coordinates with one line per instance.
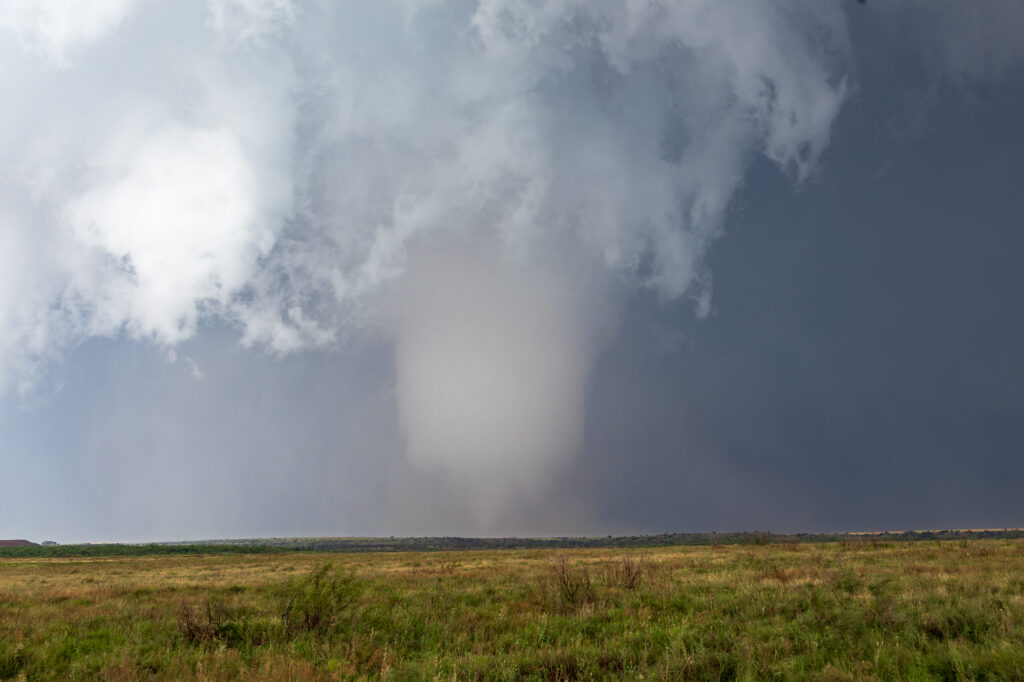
(317, 603)
(573, 585)
(199, 624)
(848, 581)
(628, 571)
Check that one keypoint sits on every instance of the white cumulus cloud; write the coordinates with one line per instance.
(57, 28)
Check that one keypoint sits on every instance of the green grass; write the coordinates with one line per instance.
(888, 611)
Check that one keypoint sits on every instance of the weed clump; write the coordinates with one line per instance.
(628, 572)
(573, 585)
(318, 603)
(202, 623)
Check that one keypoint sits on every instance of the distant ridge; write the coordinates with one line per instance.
(17, 543)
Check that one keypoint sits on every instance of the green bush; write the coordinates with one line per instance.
(318, 603)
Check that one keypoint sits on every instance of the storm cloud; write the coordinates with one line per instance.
(483, 192)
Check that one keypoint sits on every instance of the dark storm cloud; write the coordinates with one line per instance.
(864, 364)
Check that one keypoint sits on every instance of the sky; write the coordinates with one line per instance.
(505, 267)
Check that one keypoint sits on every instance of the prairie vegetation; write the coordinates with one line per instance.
(832, 611)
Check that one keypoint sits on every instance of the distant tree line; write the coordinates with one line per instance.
(427, 544)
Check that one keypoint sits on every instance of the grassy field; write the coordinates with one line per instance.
(833, 611)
